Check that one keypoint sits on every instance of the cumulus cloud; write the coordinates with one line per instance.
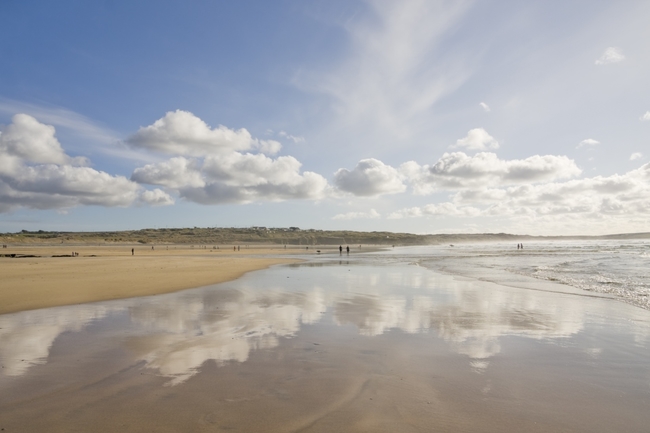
(210, 167)
(35, 172)
(587, 142)
(477, 139)
(485, 107)
(182, 133)
(371, 214)
(605, 201)
(459, 171)
(645, 117)
(156, 197)
(370, 177)
(29, 140)
(611, 55)
(174, 173)
(635, 156)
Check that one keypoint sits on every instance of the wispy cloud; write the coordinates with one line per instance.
(371, 214)
(394, 71)
(645, 117)
(611, 55)
(62, 118)
(635, 156)
(587, 142)
(101, 139)
(294, 138)
(485, 107)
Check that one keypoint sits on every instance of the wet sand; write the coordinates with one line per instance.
(336, 345)
(105, 273)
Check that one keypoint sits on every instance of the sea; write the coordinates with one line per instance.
(617, 268)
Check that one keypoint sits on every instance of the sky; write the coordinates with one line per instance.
(414, 116)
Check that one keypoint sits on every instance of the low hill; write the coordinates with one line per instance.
(264, 235)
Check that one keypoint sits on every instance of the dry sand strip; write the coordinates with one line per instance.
(101, 274)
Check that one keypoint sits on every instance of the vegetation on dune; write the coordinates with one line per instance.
(264, 235)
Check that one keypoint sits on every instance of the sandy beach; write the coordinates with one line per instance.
(104, 273)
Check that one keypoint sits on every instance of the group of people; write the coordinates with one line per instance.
(341, 250)
(520, 246)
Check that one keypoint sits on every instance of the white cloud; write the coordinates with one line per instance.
(477, 139)
(371, 214)
(485, 107)
(370, 177)
(587, 142)
(611, 55)
(412, 212)
(600, 202)
(645, 117)
(459, 171)
(182, 133)
(36, 173)
(268, 147)
(635, 156)
(61, 118)
(156, 197)
(438, 209)
(211, 169)
(29, 140)
(393, 73)
(294, 138)
(174, 173)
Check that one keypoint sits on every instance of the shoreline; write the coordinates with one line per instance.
(40, 279)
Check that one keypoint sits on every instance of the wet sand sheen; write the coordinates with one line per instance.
(341, 347)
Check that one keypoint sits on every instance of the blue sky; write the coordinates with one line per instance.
(414, 116)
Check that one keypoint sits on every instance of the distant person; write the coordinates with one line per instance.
(518, 246)
(347, 248)
(234, 248)
(522, 246)
(152, 248)
(237, 247)
(340, 250)
(132, 251)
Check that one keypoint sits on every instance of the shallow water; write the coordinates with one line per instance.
(366, 343)
(619, 268)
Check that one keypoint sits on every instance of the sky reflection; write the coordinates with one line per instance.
(175, 334)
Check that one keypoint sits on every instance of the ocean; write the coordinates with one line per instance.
(617, 268)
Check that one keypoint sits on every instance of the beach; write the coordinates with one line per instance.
(101, 273)
(384, 341)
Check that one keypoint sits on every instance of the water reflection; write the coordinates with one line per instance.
(176, 334)
(218, 325)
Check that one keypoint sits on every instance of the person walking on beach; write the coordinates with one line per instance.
(347, 249)
(132, 251)
(340, 250)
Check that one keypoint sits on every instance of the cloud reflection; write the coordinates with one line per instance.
(176, 334)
